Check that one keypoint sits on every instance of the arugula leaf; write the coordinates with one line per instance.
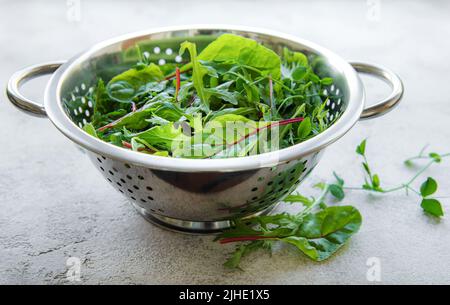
(243, 250)
(307, 202)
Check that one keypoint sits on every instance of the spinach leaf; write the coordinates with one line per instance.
(236, 49)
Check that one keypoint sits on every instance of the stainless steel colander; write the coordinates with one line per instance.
(197, 196)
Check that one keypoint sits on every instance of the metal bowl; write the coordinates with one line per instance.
(188, 195)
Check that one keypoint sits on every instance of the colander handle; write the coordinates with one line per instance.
(24, 75)
(390, 78)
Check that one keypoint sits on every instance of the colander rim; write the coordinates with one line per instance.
(54, 108)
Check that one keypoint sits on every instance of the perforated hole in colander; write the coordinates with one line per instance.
(122, 179)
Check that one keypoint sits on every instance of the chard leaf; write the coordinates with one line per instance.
(323, 233)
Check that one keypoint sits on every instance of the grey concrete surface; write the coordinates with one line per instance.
(55, 205)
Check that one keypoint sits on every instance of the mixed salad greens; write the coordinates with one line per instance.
(234, 98)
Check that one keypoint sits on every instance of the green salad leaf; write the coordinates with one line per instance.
(323, 233)
(131, 83)
(198, 72)
(233, 49)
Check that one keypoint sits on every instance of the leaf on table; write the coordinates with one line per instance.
(429, 187)
(361, 148)
(337, 191)
(376, 182)
(435, 156)
(299, 198)
(235, 258)
(432, 206)
(339, 179)
(323, 233)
